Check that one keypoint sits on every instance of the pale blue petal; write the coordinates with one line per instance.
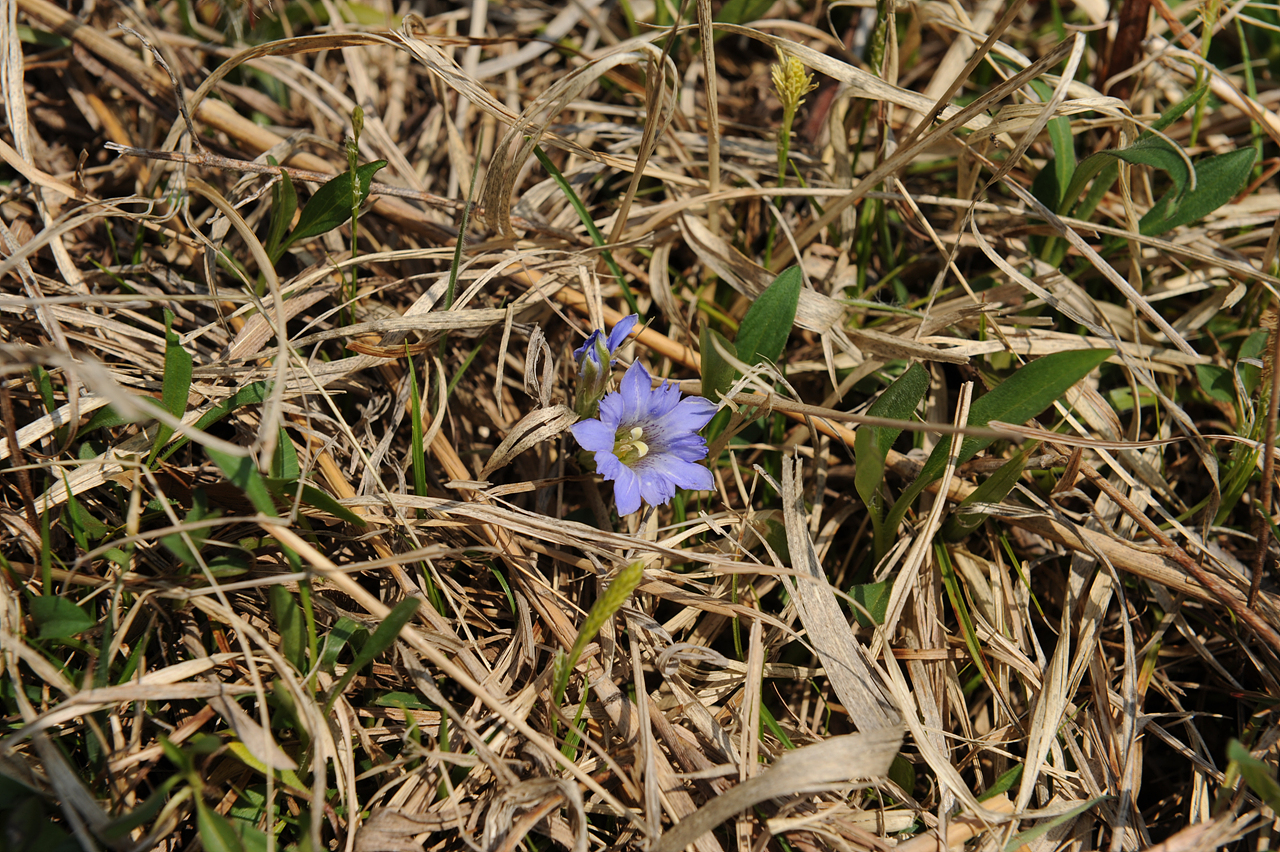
(609, 466)
(626, 490)
(621, 330)
(635, 392)
(612, 411)
(656, 488)
(594, 436)
(684, 474)
(588, 348)
(691, 414)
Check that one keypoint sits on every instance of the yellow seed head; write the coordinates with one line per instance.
(793, 81)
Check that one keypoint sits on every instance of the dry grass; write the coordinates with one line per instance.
(197, 650)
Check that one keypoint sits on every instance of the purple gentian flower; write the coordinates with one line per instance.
(598, 353)
(646, 440)
(594, 358)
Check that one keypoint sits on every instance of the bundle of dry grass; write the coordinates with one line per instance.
(300, 550)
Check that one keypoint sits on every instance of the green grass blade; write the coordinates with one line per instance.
(381, 639)
(585, 217)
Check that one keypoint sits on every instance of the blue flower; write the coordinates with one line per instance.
(646, 440)
(594, 358)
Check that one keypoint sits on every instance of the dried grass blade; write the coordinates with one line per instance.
(844, 660)
(827, 765)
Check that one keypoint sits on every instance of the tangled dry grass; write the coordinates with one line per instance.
(295, 535)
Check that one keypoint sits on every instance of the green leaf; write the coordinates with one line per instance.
(717, 373)
(254, 393)
(291, 626)
(1107, 165)
(59, 618)
(177, 543)
(243, 473)
(960, 605)
(313, 496)
(335, 640)
(84, 525)
(1025, 837)
(584, 216)
(419, 454)
(1256, 774)
(994, 490)
(1218, 179)
(1151, 151)
(382, 639)
(284, 203)
(872, 443)
(1003, 784)
(1020, 397)
(216, 832)
(874, 598)
(177, 383)
(903, 773)
(119, 828)
(1216, 382)
(330, 206)
(767, 325)
(742, 11)
(284, 461)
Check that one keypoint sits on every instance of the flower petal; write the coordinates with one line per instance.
(685, 474)
(621, 330)
(588, 347)
(635, 392)
(693, 413)
(655, 487)
(594, 436)
(626, 490)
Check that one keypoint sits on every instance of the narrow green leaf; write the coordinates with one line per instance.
(216, 832)
(330, 206)
(872, 443)
(284, 461)
(144, 813)
(584, 216)
(1025, 837)
(1094, 164)
(289, 624)
(717, 373)
(254, 393)
(1003, 784)
(767, 325)
(177, 383)
(58, 618)
(960, 605)
(284, 203)
(243, 473)
(335, 639)
(1218, 179)
(1020, 397)
(1258, 775)
(312, 496)
(381, 639)
(995, 489)
(85, 527)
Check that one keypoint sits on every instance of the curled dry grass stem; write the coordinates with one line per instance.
(179, 667)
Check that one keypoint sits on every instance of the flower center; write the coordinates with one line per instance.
(628, 447)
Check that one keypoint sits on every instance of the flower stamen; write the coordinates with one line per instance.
(631, 449)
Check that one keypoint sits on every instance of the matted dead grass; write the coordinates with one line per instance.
(203, 634)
